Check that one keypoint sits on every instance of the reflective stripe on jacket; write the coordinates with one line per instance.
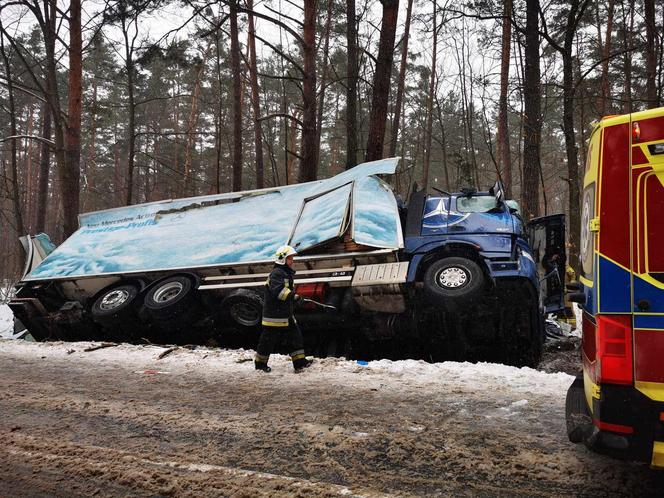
(278, 299)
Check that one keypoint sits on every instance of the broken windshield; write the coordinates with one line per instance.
(476, 204)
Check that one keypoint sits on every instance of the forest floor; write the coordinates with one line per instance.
(119, 421)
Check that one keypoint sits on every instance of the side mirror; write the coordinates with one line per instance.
(577, 297)
(574, 287)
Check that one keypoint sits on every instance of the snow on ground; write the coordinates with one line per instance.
(213, 362)
(6, 321)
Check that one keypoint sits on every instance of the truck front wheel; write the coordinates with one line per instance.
(452, 281)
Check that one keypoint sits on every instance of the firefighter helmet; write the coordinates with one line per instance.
(282, 253)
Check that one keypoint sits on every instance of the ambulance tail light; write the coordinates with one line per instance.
(615, 363)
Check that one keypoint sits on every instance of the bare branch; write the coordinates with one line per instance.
(299, 23)
(281, 115)
(281, 53)
(272, 76)
(31, 137)
(285, 26)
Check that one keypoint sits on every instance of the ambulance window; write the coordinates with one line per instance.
(589, 157)
(654, 225)
(587, 248)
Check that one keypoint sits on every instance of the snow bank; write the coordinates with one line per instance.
(6, 321)
(471, 375)
(519, 384)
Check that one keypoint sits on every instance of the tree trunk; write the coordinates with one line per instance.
(574, 222)
(218, 116)
(381, 85)
(29, 188)
(49, 32)
(651, 59)
(15, 195)
(70, 190)
(131, 128)
(502, 136)
(351, 88)
(606, 50)
(44, 169)
(532, 126)
(237, 99)
(628, 33)
(90, 161)
(255, 99)
(432, 90)
(309, 162)
(321, 101)
(398, 105)
(187, 188)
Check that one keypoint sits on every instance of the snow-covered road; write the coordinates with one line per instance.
(119, 421)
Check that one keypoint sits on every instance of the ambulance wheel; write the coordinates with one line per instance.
(578, 420)
(172, 297)
(115, 304)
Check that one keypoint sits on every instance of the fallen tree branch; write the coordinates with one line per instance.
(167, 352)
(101, 346)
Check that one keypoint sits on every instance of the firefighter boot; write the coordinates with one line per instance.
(260, 362)
(300, 362)
(262, 366)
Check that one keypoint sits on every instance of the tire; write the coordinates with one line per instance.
(171, 297)
(578, 420)
(115, 304)
(244, 307)
(450, 282)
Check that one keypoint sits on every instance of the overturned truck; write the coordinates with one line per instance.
(447, 276)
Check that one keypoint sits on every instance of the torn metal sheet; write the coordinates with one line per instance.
(322, 218)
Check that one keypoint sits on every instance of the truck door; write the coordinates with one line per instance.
(546, 236)
(36, 247)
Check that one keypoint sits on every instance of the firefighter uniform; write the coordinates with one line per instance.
(278, 318)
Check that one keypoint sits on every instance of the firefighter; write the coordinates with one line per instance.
(278, 313)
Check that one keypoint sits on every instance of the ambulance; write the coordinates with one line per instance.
(616, 406)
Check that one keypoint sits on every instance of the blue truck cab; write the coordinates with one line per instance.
(477, 263)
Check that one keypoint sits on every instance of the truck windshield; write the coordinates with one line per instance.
(473, 204)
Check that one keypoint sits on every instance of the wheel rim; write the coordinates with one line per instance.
(245, 314)
(114, 299)
(453, 277)
(167, 292)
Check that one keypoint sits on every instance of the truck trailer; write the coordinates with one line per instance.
(445, 276)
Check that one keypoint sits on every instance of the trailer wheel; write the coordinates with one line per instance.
(245, 307)
(451, 281)
(171, 297)
(115, 304)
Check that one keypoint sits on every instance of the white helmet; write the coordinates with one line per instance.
(282, 253)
